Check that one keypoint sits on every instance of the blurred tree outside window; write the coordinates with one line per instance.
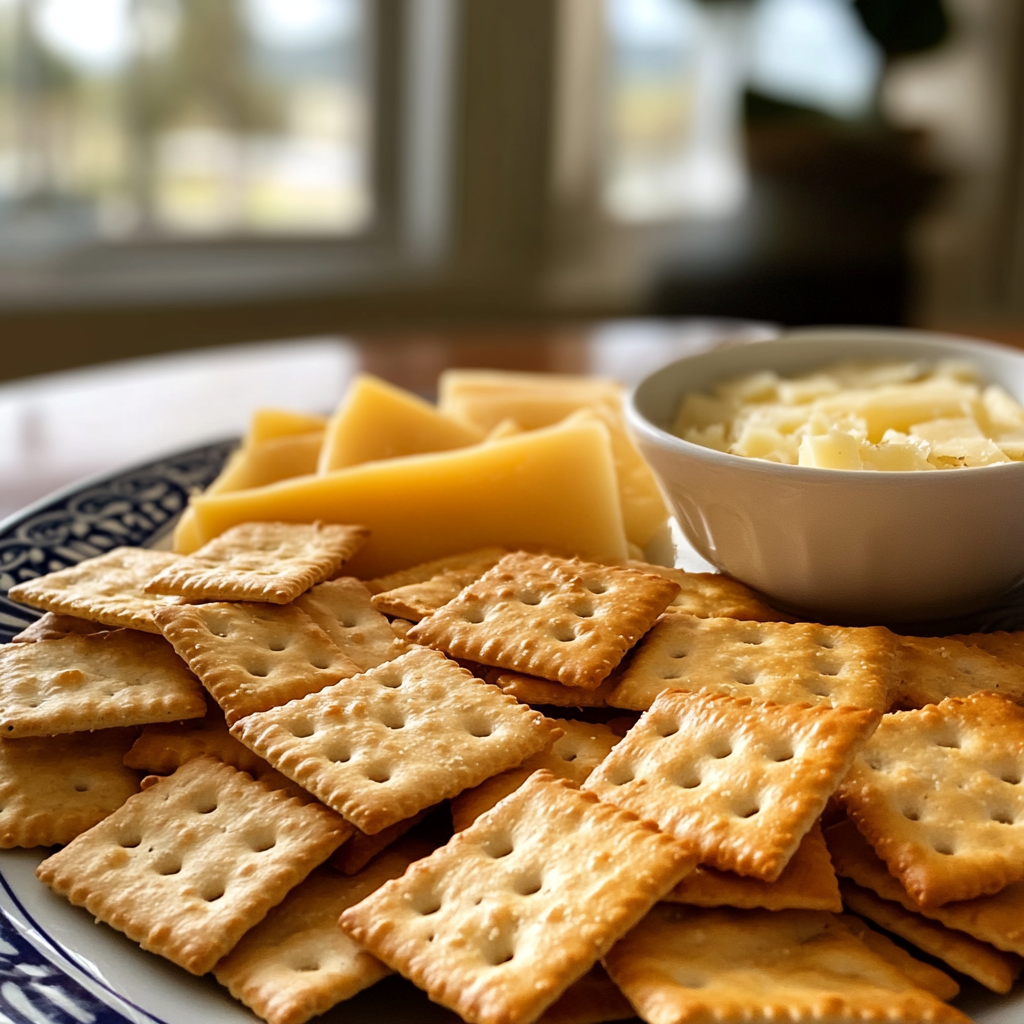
(677, 72)
(177, 119)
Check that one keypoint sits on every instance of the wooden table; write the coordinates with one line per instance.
(59, 428)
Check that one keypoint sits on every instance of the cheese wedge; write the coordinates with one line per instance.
(489, 398)
(256, 465)
(376, 420)
(269, 423)
(553, 489)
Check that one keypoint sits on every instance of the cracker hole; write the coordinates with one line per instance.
(721, 751)
(474, 616)
(496, 958)
(830, 670)
(305, 968)
(130, 842)
(339, 755)
(380, 775)
(595, 586)
(748, 811)
(912, 814)
(528, 884)
(571, 756)
(207, 808)
(212, 895)
(480, 730)
(747, 678)
(827, 643)
(430, 904)
(391, 682)
(81, 787)
(679, 654)
(943, 846)
(670, 675)
(262, 845)
(170, 868)
(1013, 778)
(258, 673)
(819, 690)
(1003, 817)
(300, 730)
(688, 779)
(320, 663)
(951, 744)
(621, 774)
(498, 847)
(584, 611)
(666, 729)
(785, 754)
(754, 641)
(277, 645)
(530, 597)
(563, 634)
(875, 764)
(393, 719)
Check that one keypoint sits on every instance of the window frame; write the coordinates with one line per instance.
(410, 85)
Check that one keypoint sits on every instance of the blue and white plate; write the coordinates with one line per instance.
(59, 967)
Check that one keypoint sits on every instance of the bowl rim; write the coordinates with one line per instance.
(640, 424)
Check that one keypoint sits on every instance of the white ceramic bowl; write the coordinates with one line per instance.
(857, 546)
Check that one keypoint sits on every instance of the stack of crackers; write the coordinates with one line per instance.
(539, 788)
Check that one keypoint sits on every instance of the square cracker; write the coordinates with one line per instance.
(784, 662)
(743, 782)
(297, 963)
(109, 589)
(988, 966)
(556, 618)
(386, 744)
(50, 626)
(713, 595)
(808, 882)
(531, 690)
(572, 755)
(186, 867)
(361, 848)
(731, 966)
(923, 975)
(594, 999)
(499, 922)
(162, 749)
(342, 609)
(96, 681)
(1008, 646)
(252, 656)
(427, 570)
(937, 793)
(997, 919)
(933, 668)
(53, 788)
(272, 562)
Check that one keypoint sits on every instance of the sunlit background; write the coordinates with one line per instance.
(176, 173)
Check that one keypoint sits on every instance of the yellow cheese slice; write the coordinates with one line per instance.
(256, 465)
(488, 398)
(466, 394)
(268, 423)
(553, 488)
(379, 421)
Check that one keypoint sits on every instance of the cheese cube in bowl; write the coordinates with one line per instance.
(865, 529)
